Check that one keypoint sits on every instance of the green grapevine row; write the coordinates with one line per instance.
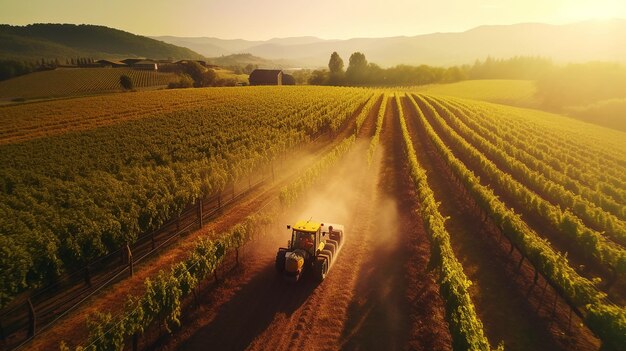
(517, 149)
(62, 82)
(165, 293)
(465, 326)
(366, 110)
(600, 153)
(379, 126)
(566, 223)
(606, 320)
(68, 199)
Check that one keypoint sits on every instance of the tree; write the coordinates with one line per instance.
(318, 77)
(357, 68)
(335, 66)
(185, 81)
(249, 68)
(208, 78)
(126, 82)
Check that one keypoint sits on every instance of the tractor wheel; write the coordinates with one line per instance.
(334, 242)
(328, 254)
(280, 261)
(321, 268)
(331, 247)
(338, 237)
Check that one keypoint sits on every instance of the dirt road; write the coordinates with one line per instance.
(378, 294)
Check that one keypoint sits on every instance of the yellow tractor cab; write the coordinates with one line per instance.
(313, 247)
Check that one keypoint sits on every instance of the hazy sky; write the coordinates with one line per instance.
(329, 19)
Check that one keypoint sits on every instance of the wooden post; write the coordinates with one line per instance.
(32, 319)
(512, 247)
(130, 260)
(200, 211)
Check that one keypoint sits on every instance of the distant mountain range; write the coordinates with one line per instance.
(37, 41)
(585, 41)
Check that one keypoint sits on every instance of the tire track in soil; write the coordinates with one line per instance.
(511, 307)
(256, 308)
(366, 301)
(403, 308)
(318, 323)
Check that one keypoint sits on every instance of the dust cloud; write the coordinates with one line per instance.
(349, 187)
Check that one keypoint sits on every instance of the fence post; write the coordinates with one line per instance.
(130, 260)
(32, 319)
(200, 211)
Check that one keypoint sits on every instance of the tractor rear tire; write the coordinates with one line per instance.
(280, 261)
(321, 268)
(334, 242)
(338, 237)
(331, 247)
(329, 254)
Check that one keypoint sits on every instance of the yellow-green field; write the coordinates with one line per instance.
(228, 74)
(511, 221)
(508, 92)
(78, 81)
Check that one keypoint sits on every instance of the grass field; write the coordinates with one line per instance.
(508, 92)
(470, 223)
(227, 74)
(79, 81)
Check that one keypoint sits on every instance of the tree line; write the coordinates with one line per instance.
(362, 72)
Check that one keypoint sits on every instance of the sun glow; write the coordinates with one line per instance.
(585, 10)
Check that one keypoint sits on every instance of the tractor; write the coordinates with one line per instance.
(313, 247)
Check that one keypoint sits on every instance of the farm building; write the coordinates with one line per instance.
(288, 79)
(110, 63)
(131, 61)
(266, 77)
(146, 64)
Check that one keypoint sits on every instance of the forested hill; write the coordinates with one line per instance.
(37, 41)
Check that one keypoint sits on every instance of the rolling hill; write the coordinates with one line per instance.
(62, 41)
(595, 40)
